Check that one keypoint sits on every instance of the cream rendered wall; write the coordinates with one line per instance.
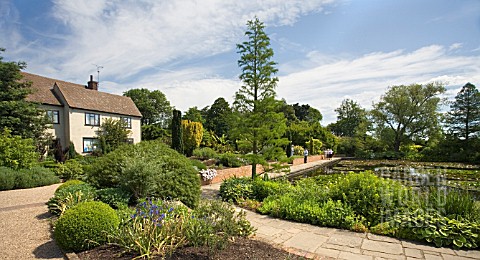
(57, 130)
(78, 130)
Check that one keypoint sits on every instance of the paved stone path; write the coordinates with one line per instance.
(331, 243)
(24, 225)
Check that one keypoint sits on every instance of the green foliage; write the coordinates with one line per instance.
(69, 183)
(230, 160)
(452, 204)
(464, 116)
(257, 120)
(235, 188)
(314, 146)
(152, 132)
(23, 118)
(148, 168)
(262, 189)
(70, 195)
(198, 164)
(16, 152)
(116, 198)
(26, 178)
(434, 228)
(205, 153)
(194, 114)
(218, 117)
(192, 136)
(350, 116)
(7, 178)
(405, 113)
(370, 196)
(84, 226)
(153, 105)
(177, 135)
(159, 227)
(34, 177)
(70, 170)
(112, 134)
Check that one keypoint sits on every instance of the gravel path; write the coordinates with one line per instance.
(24, 225)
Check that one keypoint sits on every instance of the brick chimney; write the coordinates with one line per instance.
(93, 85)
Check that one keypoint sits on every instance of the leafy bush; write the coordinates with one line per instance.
(71, 169)
(148, 168)
(262, 189)
(205, 153)
(69, 196)
(16, 152)
(24, 178)
(34, 177)
(453, 204)
(116, 198)
(84, 226)
(434, 228)
(230, 160)
(7, 178)
(68, 183)
(198, 164)
(370, 196)
(235, 188)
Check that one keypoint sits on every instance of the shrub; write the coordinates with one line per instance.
(84, 226)
(453, 204)
(370, 196)
(148, 168)
(7, 178)
(69, 196)
(230, 160)
(262, 189)
(235, 188)
(16, 152)
(24, 178)
(71, 169)
(68, 183)
(205, 153)
(198, 164)
(116, 198)
(35, 177)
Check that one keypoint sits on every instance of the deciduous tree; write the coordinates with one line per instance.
(153, 105)
(112, 134)
(405, 113)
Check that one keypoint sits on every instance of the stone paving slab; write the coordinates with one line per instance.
(383, 247)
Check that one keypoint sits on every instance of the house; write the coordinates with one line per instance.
(77, 111)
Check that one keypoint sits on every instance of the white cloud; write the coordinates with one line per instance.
(366, 78)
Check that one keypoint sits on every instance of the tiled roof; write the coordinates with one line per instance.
(77, 96)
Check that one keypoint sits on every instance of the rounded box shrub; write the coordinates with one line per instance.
(85, 225)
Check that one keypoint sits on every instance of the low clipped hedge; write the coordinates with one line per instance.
(26, 178)
(149, 168)
(85, 226)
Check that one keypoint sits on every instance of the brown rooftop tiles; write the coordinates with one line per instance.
(77, 96)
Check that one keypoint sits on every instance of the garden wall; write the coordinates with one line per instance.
(244, 171)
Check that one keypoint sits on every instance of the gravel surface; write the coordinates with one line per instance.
(24, 225)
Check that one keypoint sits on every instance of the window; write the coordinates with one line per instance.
(92, 119)
(90, 145)
(53, 116)
(127, 121)
(129, 141)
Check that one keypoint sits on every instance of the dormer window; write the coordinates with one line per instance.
(92, 119)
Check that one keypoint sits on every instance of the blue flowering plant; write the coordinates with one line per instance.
(156, 227)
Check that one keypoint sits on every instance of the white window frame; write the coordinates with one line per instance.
(90, 144)
(89, 117)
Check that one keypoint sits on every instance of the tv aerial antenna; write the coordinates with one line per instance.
(98, 72)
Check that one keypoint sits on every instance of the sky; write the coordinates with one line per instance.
(326, 50)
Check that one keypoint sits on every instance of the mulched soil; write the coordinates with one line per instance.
(241, 248)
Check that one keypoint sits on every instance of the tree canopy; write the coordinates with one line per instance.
(464, 115)
(258, 124)
(21, 117)
(153, 105)
(349, 117)
(408, 112)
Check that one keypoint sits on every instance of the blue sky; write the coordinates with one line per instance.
(327, 50)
